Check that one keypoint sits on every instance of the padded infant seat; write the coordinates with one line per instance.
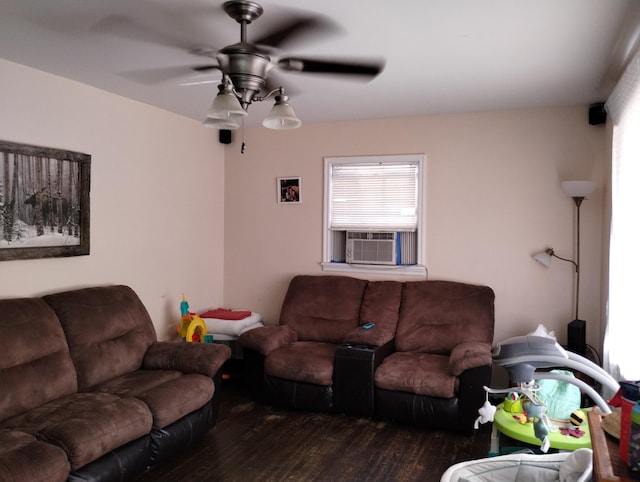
(563, 467)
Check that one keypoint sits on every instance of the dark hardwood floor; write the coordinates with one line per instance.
(253, 442)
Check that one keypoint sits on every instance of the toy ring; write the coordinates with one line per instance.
(196, 323)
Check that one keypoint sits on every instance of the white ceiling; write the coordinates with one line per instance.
(442, 56)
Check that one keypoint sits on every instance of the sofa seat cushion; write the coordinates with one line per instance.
(135, 383)
(85, 425)
(25, 458)
(169, 394)
(419, 373)
(302, 361)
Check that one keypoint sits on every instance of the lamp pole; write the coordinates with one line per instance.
(578, 191)
(578, 200)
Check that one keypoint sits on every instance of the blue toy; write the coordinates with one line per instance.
(537, 414)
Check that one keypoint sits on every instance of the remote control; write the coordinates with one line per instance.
(368, 326)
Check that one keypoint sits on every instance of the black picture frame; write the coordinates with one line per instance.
(289, 190)
(44, 202)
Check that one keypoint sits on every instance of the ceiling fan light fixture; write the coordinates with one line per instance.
(229, 123)
(282, 115)
(226, 104)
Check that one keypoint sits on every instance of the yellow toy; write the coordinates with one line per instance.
(197, 329)
(192, 328)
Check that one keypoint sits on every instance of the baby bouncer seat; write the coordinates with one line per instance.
(560, 467)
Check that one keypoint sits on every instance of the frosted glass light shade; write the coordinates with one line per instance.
(544, 258)
(578, 188)
(228, 123)
(226, 105)
(281, 117)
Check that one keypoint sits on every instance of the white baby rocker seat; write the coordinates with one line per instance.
(561, 467)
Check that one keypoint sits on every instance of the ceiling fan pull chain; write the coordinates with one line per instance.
(242, 130)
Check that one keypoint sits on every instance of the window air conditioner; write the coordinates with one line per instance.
(371, 248)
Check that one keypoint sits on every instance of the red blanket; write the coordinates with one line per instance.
(225, 314)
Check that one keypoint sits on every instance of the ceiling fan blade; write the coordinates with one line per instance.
(275, 82)
(271, 85)
(296, 29)
(205, 68)
(345, 67)
(165, 74)
(133, 29)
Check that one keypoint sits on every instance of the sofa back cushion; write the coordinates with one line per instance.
(323, 308)
(108, 330)
(380, 305)
(437, 315)
(35, 364)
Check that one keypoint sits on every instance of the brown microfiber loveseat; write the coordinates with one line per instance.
(88, 393)
(424, 362)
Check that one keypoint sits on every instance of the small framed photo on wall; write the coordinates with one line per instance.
(289, 190)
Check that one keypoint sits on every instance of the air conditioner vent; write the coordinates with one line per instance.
(371, 247)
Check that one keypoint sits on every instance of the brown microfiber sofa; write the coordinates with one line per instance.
(424, 362)
(88, 393)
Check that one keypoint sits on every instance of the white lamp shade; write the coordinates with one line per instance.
(226, 105)
(229, 123)
(281, 117)
(578, 188)
(543, 258)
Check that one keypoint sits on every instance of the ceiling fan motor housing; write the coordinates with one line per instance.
(247, 67)
(242, 10)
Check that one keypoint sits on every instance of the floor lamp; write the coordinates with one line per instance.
(576, 330)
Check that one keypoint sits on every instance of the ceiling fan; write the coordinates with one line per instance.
(246, 67)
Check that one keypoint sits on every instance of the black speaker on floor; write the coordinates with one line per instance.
(577, 337)
(224, 136)
(597, 114)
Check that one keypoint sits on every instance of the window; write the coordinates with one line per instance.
(373, 216)
(622, 331)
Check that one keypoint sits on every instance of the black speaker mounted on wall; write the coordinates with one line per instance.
(597, 114)
(224, 136)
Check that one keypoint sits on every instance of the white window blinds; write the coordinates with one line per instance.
(374, 196)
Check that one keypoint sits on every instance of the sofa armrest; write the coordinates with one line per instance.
(265, 339)
(201, 358)
(376, 336)
(469, 355)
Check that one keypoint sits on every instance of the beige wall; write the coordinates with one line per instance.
(157, 193)
(159, 183)
(493, 199)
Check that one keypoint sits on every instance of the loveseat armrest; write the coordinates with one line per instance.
(468, 355)
(201, 358)
(265, 339)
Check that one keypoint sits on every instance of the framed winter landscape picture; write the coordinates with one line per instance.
(44, 202)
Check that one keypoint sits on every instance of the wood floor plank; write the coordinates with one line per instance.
(253, 442)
